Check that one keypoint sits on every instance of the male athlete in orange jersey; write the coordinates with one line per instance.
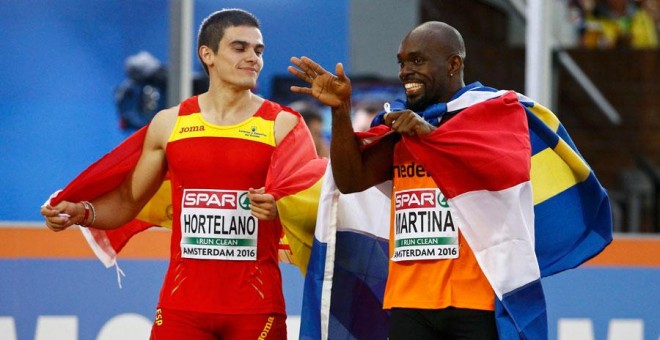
(439, 295)
(223, 280)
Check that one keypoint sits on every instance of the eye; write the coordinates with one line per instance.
(418, 61)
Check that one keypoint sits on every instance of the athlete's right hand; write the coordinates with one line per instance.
(329, 89)
(63, 215)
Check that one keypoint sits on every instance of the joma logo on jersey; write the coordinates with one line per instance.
(191, 129)
(415, 199)
(210, 199)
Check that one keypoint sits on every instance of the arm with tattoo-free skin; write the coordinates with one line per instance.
(119, 206)
(353, 170)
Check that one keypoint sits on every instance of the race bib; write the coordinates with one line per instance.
(425, 226)
(217, 225)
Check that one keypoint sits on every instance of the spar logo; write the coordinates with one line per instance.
(210, 199)
(415, 199)
(423, 198)
(244, 201)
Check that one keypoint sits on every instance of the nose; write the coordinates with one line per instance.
(252, 56)
(404, 71)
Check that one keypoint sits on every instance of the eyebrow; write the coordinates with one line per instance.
(245, 44)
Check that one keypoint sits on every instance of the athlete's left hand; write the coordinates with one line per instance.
(262, 205)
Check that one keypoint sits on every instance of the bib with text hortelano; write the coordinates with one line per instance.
(425, 226)
(217, 225)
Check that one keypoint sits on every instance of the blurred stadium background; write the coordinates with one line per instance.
(64, 61)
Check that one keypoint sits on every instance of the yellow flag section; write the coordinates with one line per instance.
(158, 211)
(298, 217)
(564, 163)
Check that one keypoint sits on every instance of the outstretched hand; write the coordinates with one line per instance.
(329, 89)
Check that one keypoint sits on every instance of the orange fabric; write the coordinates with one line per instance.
(432, 284)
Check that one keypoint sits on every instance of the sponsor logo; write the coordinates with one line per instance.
(215, 199)
(267, 327)
(158, 320)
(415, 199)
(253, 132)
(410, 170)
(244, 201)
(187, 129)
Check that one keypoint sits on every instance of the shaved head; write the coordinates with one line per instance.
(443, 34)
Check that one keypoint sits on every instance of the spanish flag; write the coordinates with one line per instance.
(294, 179)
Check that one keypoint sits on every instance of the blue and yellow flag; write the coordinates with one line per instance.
(514, 176)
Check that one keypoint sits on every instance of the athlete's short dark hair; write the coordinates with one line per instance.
(213, 27)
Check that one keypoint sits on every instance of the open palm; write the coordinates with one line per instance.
(329, 89)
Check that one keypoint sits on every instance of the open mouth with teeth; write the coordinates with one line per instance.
(413, 88)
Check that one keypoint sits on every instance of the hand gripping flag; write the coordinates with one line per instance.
(531, 207)
(294, 179)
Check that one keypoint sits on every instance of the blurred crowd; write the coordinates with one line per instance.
(608, 24)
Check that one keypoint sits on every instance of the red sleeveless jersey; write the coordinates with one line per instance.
(222, 259)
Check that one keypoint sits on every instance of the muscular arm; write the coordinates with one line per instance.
(119, 206)
(352, 169)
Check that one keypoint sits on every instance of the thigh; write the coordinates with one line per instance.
(472, 324)
(253, 326)
(177, 325)
(407, 323)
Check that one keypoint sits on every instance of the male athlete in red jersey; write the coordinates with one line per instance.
(223, 279)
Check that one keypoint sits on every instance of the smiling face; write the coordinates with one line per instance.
(430, 65)
(239, 58)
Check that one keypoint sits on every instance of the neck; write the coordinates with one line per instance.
(228, 106)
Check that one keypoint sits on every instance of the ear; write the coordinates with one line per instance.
(454, 64)
(206, 54)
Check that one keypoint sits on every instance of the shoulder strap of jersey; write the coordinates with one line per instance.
(269, 110)
(188, 106)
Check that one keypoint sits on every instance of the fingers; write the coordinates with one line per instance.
(257, 191)
(55, 219)
(299, 74)
(262, 205)
(391, 118)
(262, 213)
(339, 70)
(307, 70)
(312, 68)
(62, 216)
(408, 123)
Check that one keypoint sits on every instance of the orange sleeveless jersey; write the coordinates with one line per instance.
(429, 283)
(223, 260)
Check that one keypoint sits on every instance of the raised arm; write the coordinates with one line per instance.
(119, 206)
(352, 169)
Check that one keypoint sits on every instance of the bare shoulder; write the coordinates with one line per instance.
(284, 123)
(161, 126)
